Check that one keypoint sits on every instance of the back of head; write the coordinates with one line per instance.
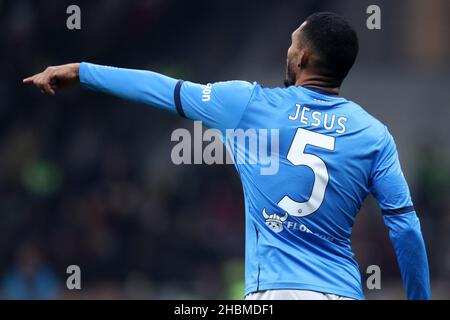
(334, 44)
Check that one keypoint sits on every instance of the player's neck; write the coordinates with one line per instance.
(318, 82)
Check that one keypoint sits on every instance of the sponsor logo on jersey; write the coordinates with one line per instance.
(274, 221)
(206, 92)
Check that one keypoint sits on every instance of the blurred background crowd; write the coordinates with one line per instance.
(87, 179)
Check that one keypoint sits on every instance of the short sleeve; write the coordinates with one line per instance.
(388, 184)
(219, 105)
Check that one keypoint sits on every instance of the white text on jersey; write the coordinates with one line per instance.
(317, 118)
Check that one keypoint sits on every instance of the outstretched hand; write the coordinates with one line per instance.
(55, 78)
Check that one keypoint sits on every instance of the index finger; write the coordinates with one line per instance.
(29, 79)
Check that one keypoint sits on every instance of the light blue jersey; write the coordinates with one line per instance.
(331, 154)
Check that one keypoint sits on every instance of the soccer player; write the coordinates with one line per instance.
(332, 154)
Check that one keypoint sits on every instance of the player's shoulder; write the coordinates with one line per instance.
(276, 95)
(368, 118)
(280, 92)
(234, 92)
(253, 91)
(372, 127)
(235, 83)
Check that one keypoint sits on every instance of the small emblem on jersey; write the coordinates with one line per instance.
(274, 221)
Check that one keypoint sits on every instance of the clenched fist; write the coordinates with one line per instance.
(54, 78)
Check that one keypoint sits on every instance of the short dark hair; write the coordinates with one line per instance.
(333, 41)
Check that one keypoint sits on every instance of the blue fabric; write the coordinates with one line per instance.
(219, 105)
(405, 234)
(135, 85)
(331, 155)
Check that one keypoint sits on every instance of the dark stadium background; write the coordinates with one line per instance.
(87, 179)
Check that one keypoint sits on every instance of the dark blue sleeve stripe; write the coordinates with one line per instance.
(398, 211)
(177, 99)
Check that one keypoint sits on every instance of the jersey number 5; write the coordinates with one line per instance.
(298, 157)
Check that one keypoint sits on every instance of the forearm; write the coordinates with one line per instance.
(135, 85)
(406, 237)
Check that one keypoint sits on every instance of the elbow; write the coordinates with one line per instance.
(410, 232)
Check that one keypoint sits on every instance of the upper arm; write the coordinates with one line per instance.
(388, 184)
(219, 105)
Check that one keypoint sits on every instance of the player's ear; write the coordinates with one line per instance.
(303, 58)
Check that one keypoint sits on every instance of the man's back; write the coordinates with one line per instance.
(298, 217)
(332, 153)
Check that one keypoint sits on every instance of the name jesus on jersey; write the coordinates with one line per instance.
(318, 118)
